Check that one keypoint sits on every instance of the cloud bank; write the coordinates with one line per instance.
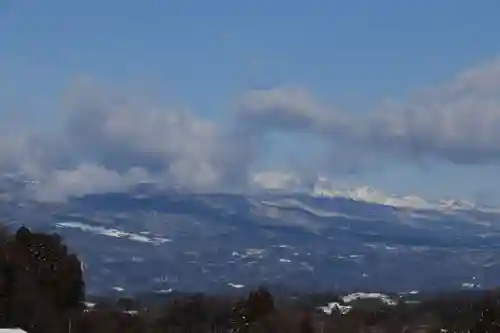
(111, 142)
(458, 121)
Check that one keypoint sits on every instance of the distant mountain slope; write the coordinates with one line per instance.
(150, 240)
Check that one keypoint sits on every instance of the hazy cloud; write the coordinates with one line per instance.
(277, 180)
(458, 121)
(288, 108)
(112, 141)
(85, 179)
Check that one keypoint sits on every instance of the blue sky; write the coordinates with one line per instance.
(351, 55)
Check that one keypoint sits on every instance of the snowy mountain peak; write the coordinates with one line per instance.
(324, 187)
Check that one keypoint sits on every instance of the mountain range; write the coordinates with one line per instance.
(368, 194)
(149, 239)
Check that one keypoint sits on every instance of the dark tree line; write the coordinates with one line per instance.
(41, 284)
(42, 291)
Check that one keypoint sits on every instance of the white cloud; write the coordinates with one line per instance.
(287, 108)
(458, 121)
(277, 180)
(107, 140)
(111, 141)
(85, 179)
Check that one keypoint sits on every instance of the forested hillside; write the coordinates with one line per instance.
(42, 291)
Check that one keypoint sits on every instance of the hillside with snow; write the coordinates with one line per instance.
(347, 239)
(325, 188)
(282, 182)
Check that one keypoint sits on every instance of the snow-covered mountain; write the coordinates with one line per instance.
(352, 239)
(287, 182)
(324, 187)
(284, 183)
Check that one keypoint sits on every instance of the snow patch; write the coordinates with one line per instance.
(236, 286)
(164, 291)
(335, 307)
(358, 296)
(111, 232)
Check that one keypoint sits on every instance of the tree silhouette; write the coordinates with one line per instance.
(260, 303)
(39, 281)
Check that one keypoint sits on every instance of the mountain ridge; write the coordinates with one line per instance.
(149, 239)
